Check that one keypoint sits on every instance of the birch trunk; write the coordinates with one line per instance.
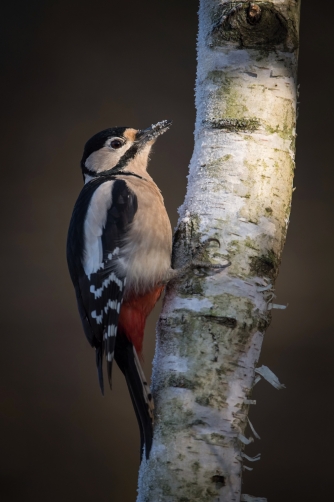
(239, 191)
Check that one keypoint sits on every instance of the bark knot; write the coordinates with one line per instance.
(260, 25)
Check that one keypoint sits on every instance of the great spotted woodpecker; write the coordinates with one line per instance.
(119, 255)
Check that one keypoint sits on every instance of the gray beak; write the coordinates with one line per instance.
(151, 133)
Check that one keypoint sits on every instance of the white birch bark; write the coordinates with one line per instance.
(239, 191)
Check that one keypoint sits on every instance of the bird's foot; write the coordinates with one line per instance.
(197, 262)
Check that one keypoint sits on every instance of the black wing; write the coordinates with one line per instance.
(101, 217)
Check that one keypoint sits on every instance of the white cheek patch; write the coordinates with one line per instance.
(95, 221)
(106, 158)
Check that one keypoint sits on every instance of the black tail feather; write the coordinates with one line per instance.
(109, 371)
(99, 355)
(128, 363)
(109, 348)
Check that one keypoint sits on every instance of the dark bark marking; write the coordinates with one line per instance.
(265, 265)
(181, 382)
(234, 125)
(219, 480)
(229, 322)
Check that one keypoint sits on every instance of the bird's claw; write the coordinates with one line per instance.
(203, 246)
(196, 261)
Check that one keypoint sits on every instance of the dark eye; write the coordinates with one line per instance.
(116, 143)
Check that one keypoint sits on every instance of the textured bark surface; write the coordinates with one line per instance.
(239, 191)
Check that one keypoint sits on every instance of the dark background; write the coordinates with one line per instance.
(71, 68)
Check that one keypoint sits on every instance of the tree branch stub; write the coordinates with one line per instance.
(254, 13)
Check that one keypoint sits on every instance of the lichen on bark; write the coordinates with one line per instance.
(239, 191)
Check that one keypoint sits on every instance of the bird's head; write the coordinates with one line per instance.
(119, 149)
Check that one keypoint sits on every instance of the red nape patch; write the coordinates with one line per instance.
(133, 314)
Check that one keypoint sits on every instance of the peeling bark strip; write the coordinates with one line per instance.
(239, 191)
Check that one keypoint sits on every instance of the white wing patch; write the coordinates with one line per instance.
(98, 318)
(112, 330)
(114, 305)
(93, 228)
(111, 278)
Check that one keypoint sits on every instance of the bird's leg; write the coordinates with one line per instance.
(196, 262)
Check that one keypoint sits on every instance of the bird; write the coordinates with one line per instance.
(119, 249)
